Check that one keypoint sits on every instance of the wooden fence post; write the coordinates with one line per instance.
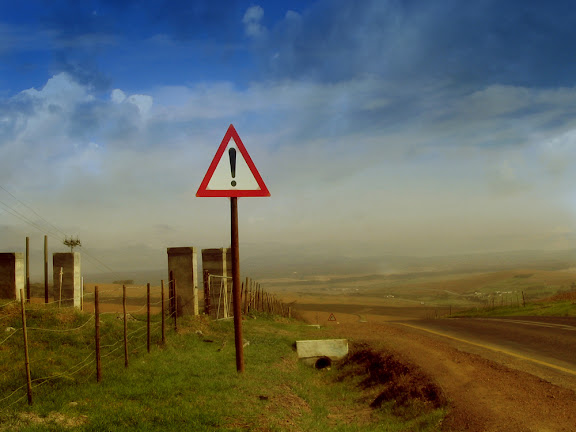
(148, 319)
(28, 293)
(262, 299)
(523, 300)
(175, 306)
(46, 269)
(207, 300)
(26, 357)
(242, 296)
(171, 295)
(97, 335)
(162, 313)
(60, 298)
(125, 326)
(246, 295)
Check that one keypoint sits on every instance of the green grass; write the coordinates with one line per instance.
(190, 383)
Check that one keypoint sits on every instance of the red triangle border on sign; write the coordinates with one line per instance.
(204, 192)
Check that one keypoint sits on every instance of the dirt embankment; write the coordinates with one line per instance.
(483, 395)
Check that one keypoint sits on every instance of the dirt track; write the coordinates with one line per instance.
(488, 390)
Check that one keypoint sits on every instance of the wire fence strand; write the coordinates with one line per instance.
(11, 334)
(9, 303)
(10, 371)
(67, 372)
(17, 400)
(11, 394)
(65, 330)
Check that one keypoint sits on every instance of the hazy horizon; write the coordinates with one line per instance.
(381, 128)
(295, 263)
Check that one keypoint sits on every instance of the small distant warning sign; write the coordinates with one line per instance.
(331, 317)
(232, 172)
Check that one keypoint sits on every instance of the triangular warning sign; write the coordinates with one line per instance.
(331, 317)
(232, 172)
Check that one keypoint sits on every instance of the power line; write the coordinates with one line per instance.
(22, 217)
(32, 223)
(32, 210)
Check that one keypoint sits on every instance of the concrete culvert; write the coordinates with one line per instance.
(323, 363)
(321, 353)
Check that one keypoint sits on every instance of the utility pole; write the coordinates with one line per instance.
(72, 243)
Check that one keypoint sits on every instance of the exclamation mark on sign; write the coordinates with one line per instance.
(232, 156)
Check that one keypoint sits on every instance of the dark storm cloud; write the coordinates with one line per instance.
(516, 42)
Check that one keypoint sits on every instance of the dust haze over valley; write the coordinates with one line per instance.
(417, 137)
(300, 275)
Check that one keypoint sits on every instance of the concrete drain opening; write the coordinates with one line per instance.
(323, 363)
(321, 353)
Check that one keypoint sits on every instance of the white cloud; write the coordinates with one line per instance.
(60, 90)
(357, 161)
(117, 96)
(143, 103)
(252, 21)
(293, 16)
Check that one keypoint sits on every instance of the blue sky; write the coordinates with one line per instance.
(380, 127)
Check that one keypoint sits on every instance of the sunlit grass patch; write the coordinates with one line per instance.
(190, 383)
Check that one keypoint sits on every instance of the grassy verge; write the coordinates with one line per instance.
(557, 308)
(191, 383)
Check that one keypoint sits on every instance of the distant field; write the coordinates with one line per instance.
(428, 289)
(419, 291)
(111, 297)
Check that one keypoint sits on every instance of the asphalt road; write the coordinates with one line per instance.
(546, 341)
(544, 346)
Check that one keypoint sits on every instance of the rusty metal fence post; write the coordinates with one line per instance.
(148, 317)
(125, 326)
(162, 313)
(26, 356)
(207, 302)
(97, 334)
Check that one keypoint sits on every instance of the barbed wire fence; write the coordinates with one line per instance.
(99, 349)
(218, 298)
(20, 379)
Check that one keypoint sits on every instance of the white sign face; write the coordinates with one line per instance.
(232, 172)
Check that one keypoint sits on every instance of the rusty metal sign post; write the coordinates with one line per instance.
(232, 174)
